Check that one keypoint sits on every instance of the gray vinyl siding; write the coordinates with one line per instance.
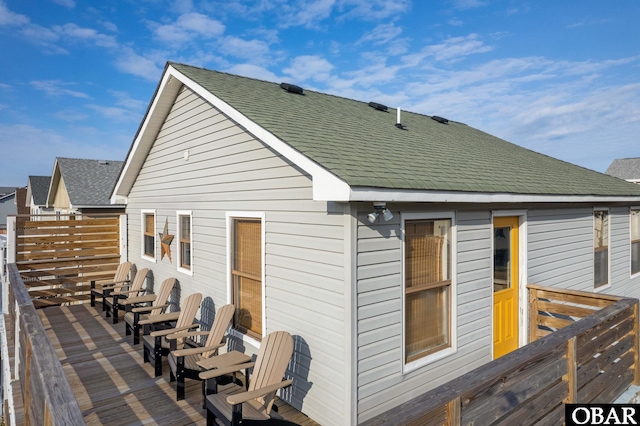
(560, 250)
(381, 384)
(229, 170)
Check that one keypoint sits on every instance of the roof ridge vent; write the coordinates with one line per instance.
(440, 119)
(378, 106)
(292, 88)
(103, 161)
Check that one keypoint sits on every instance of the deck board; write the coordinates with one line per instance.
(112, 384)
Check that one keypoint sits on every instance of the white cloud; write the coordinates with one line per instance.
(131, 63)
(253, 71)
(374, 9)
(73, 31)
(254, 50)
(187, 27)
(66, 3)
(70, 115)
(57, 88)
(468, 4)
(381, 34)
(124, 100)
(451, 49)
(9, 18)
(114, 113)
(309, 67)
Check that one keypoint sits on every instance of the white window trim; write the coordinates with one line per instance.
(431, 358)
(593, 252)
(143, 255)
(179, 214)
(631, 274)
(230, 216)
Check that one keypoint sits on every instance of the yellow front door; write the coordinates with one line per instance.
(505, 285)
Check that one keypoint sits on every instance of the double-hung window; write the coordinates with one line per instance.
(428, 288)
(149, 234)
(635, 240)
(185, 254)
(246, 258)
(600, 248)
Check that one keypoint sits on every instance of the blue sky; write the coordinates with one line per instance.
(558, 77)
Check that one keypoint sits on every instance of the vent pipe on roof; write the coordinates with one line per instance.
(398, 121)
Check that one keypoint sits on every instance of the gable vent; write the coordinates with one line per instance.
(292, 88)
(440, 119)
(378, 106)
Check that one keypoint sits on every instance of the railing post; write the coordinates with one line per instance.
(124, 250)
(16, 341)
(572, 371)
(453, 412)
(12, 233)
(533, 314)
(636, 345)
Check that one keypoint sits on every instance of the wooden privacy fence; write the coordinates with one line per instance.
(589, 360)
(46, 393)
(58, 258)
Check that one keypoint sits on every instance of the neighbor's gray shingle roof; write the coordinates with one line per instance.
(89, 182)
(363, 147)
(39, 189)
(625, 168)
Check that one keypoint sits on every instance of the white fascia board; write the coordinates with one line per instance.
(377, 194)
(326, 185)
(160, 107)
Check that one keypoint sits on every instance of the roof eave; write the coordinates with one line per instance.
(396, 195)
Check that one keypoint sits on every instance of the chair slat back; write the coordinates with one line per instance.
(275, 353)
(219, 328)
(163, 295)
(121, 275)
(188, 312)
(138, 281)
(189, 309)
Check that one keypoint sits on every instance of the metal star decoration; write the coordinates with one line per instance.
(165, 241)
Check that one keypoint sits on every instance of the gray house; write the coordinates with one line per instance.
(396, 247)
(625, 168)
(7, 207)
(81, 185)
(37, 190)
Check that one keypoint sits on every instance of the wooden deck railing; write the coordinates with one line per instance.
(591, 357)
(46, 393)
(59, 258)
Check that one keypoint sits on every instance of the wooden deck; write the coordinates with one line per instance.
(111, 382)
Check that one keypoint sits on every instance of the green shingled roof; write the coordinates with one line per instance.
(363, 147)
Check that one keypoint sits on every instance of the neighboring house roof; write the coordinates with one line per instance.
(355, 152)
(625, 168)
(39, 187)
(4, 190)
(88, 182)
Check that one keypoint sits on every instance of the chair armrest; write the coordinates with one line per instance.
(153, 319)
(188, 334)
(217, 372)
(114, 283)
(172, 330)
(140, 299)
(239, 398)
(118, 293)
(198, 350)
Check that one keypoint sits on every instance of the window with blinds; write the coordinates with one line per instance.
(246, 274)
(635, 241)
(427, 286)
(185, 241)
(149, 234)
